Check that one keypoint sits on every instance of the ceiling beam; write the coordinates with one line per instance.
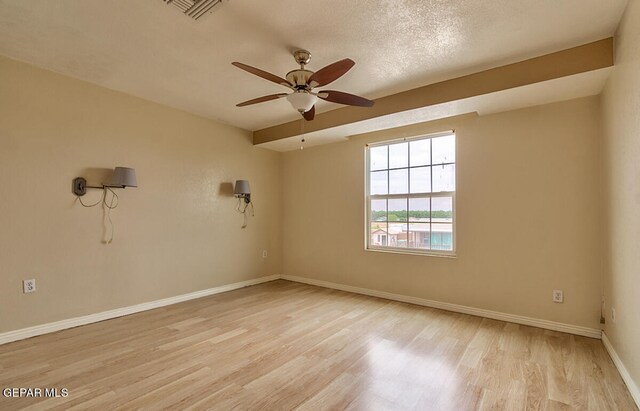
(588, 57)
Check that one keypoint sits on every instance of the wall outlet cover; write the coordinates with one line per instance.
(558, 296)
(29, 286)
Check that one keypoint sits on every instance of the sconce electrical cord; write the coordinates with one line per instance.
(243, 210)
(92, 205)
(106, 206)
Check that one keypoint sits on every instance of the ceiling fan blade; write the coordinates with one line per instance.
(261, 73)
(344, 98)
(262, 99)
(330, 73)
(309, 114)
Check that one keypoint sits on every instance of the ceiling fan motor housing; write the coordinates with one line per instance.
(299, 78)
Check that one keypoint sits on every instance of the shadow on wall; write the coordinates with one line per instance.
(226, 189)
(96, 176)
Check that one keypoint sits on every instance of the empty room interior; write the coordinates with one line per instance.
(412, 205)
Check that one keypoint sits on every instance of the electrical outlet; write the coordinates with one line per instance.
(558, 296)
(264, 253)
(613, 315)
(29, 286)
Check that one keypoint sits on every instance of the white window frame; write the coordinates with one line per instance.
(368, 197)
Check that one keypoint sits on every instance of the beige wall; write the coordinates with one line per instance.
(521, 232)
(177, 233)
(621, 120)
(528, 202)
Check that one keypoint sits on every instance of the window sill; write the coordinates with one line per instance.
(426, 253)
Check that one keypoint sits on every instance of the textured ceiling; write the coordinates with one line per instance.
(150, 50)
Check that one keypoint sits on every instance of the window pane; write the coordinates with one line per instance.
(398, 209)
(420, 179)
(442, 209)
(398, 181)
(399, 155)
(378, 158)
(420, 153)
(413, 184)
(442, 236)
(378, 234)
(419, 235)
(379, 210)
(379, 182)
(398, 235)
(419, 209)
(444, 149)
(444, 178)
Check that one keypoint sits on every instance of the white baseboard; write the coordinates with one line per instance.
(119, 312)
(626, 377)
(518, 319)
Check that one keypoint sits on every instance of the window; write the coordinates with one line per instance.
(411, 188)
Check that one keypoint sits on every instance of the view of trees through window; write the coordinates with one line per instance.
(410, 194)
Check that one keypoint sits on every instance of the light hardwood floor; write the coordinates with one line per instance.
(283, 345)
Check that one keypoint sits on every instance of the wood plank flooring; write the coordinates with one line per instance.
(284, 345)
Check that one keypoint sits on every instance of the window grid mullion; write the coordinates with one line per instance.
(403, 168)
(408, 188)
(412, 195)
(431, 198)
(388, 191)
(408, 168)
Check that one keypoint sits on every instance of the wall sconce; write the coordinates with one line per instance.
(122, 177)
(242, 190)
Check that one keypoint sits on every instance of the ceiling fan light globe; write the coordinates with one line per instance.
(302, 101)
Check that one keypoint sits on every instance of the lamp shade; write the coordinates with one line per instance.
(242, 187)
(302, 101)
(124, 177)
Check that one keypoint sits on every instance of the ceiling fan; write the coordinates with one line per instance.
(303, 81)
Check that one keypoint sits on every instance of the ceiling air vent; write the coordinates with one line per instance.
(194, 8)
